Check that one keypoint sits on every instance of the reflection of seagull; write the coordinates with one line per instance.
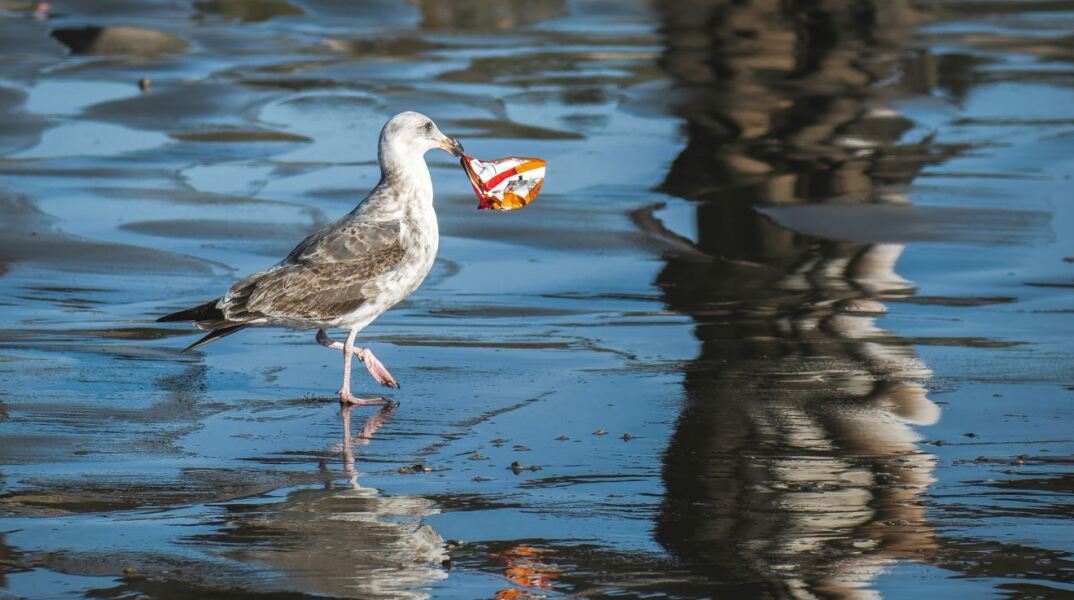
(343, 543)
(372, 424)
(348, 273)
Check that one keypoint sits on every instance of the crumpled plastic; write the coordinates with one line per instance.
(505, 183)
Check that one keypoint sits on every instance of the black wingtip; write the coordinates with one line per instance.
(213, 336)
(202, 312)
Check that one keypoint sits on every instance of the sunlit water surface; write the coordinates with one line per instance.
(791, 318)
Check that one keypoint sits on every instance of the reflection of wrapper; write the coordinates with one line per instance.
(504, 183)
(523, 566)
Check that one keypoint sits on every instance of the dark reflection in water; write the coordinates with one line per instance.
(793, 470)
(129, 41)
(247, 10)
(476, 15)
(9, 561)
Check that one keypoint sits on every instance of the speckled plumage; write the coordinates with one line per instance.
(352, 270)
(348, 272)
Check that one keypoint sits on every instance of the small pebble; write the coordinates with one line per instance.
(600, 432)
(476, 456)
(562, 438)
(405, 470)
(129, 570)
(479, 479)
(535, 467)
(521, 448)
(627, 437)
(969, 434)
(516, 467)
(144, 83)
(499, 442)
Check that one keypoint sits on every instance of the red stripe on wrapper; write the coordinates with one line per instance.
(523, 176)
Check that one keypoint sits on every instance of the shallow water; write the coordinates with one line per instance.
(791, 318)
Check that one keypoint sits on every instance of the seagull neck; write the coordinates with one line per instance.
(408, 170)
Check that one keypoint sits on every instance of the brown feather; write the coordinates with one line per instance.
(317, 291)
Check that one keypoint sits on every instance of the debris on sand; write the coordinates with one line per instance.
(517, 467)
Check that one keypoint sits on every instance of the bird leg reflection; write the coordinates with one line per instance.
(376, 368)
(372, 424)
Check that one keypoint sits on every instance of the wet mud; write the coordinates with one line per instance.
(790, 319)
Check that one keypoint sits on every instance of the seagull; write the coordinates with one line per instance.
(349, 272)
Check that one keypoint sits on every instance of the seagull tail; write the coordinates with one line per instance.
(215, 335)
(201, 312)
(205, 316)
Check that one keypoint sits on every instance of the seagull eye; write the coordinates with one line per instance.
(428, 126)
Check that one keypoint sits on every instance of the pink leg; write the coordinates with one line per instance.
(345, 395)
(376, 368)
(372, 364)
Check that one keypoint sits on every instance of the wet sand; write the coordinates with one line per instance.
(791, 317)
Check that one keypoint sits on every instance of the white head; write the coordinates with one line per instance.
(406, 138)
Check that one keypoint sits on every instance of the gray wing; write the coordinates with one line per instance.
(362, 231)
(328, 275)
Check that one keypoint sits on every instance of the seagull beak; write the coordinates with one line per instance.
(451, 146)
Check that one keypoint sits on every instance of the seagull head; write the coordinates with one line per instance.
(410, 133)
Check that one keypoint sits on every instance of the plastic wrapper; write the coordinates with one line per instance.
(504, 183)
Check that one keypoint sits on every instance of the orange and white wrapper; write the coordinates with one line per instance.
(504, 183)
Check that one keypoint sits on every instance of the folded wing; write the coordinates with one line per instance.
(328, 275)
